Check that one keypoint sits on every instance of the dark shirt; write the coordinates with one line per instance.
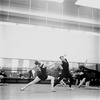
(90, 72)
(43, 70)
(43, 73)
(65, 66)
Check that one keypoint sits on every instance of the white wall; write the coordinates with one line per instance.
(47, 44)
(99, 50)
(1, 40)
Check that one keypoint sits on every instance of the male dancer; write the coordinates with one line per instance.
(65, 72)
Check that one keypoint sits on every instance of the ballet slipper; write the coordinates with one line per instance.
(70, 88)
(79, 86)
(22, 89)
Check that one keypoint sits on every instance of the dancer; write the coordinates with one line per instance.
(41, 75)
(88, 75)
(78, 76)
(65, 72)
(2, 76)
(87, 79)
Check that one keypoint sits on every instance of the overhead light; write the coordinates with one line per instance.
(89, 3)
(58, 1)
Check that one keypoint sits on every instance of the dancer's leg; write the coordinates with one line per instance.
(62, 82)
(82, 82)
(76, 83)
(71, 80)
(52, 82)
(60, 78)
(37, 79)
(87, 86)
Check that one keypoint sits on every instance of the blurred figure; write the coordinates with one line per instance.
(2, 76)
(87, 76)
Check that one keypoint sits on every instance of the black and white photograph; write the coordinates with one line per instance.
(49, 49)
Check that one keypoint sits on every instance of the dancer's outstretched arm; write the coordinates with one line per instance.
(50, 66)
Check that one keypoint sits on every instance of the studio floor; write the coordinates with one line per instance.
(42, 92)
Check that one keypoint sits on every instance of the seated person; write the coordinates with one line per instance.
(2, 76)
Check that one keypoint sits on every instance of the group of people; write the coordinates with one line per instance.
(82, 75)
(85, 76)
(42, 74)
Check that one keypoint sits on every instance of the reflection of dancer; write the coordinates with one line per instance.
(41, 75)
(65, 72)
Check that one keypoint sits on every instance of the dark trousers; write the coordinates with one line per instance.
(67, 76)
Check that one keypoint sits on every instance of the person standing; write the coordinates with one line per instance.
(65, 72)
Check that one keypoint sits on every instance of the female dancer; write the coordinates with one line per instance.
(41, 75)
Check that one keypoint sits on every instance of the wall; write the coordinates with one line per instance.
(34, 42)
(1, 44)
(99, 50)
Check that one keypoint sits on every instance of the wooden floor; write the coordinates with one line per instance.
(42, 92)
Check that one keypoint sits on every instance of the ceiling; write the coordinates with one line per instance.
(40, 12)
